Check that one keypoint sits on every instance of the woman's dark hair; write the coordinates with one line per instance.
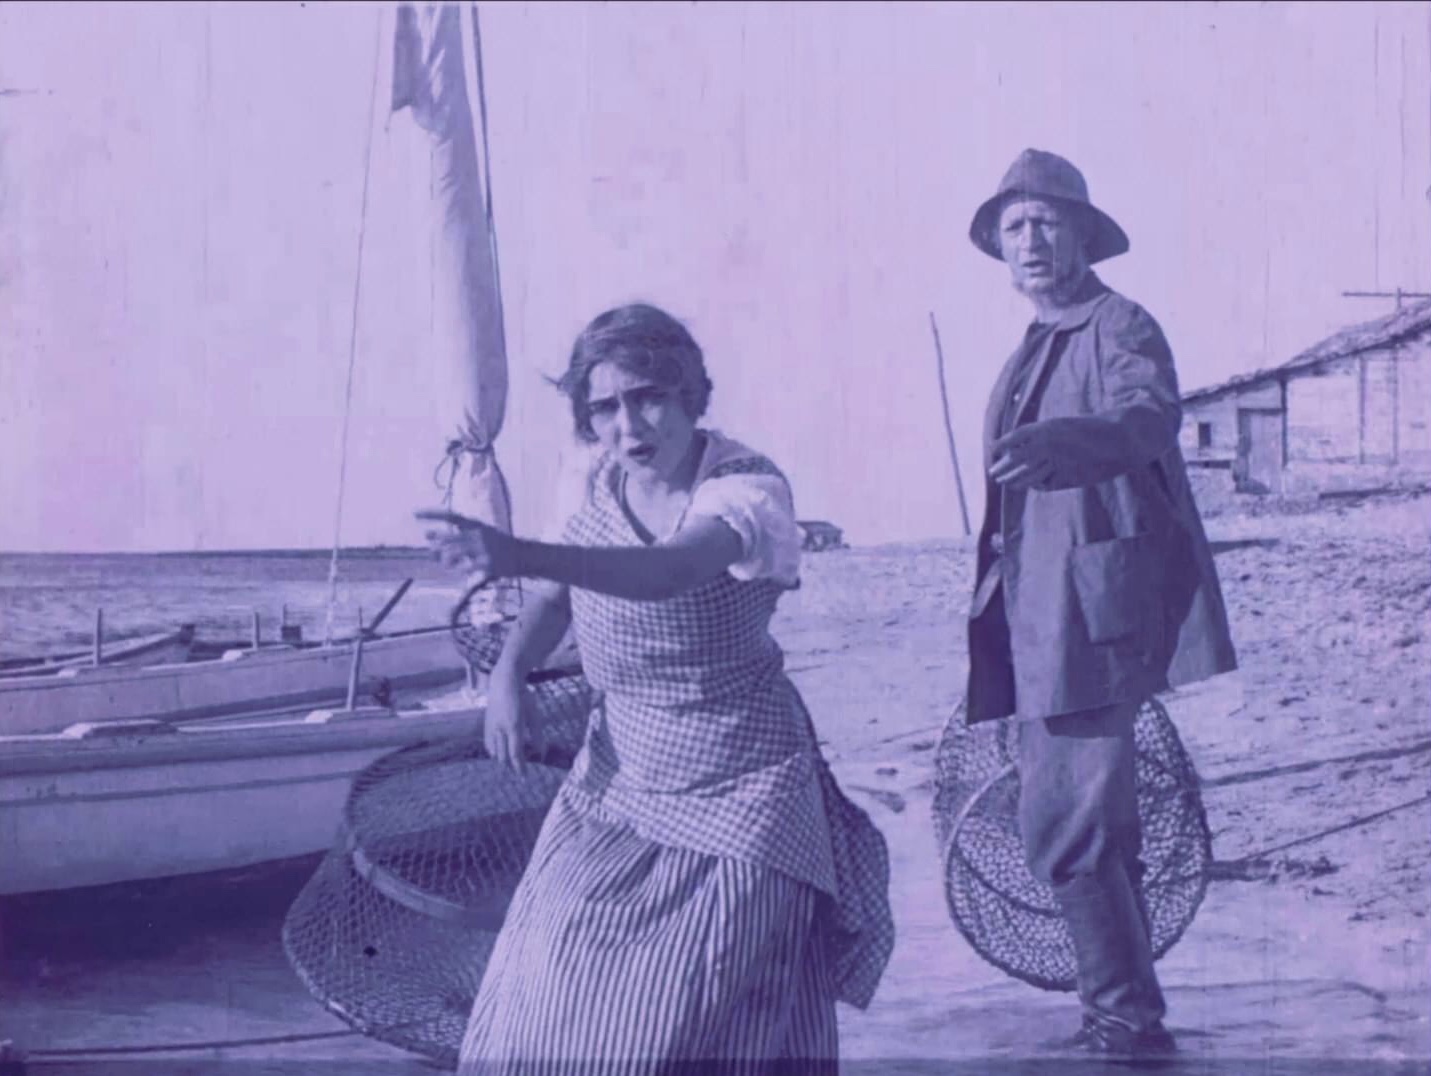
(642, 340)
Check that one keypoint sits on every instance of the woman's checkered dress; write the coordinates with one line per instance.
(701, 891)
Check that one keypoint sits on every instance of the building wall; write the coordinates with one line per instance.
(1220, 412)
(1304, 478)
(1324, 413)
(1364, 421)
(1373, 408)
(1350, 423)
(1413, 397)
(1379, 377)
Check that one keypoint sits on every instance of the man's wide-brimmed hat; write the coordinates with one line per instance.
(1039, 174)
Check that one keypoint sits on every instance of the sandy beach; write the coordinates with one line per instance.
(1309, 953)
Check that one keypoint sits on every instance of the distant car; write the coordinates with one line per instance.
(820, 536)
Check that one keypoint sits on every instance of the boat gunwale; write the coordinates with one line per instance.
(22, 756)
(96, 676)
(114, 649)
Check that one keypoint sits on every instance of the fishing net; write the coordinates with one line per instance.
(481, 621)
(1006, 915)
(394, 930)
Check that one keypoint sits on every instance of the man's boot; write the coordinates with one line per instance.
(1122, 1002)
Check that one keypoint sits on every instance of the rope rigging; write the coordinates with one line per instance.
(352, 343)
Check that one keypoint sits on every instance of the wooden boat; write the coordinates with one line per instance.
(125, 801)
(239, 681)
(156, 649)
(121, 775)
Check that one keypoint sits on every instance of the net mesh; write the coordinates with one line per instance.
(394, 930)
(1006, 915)
(481, 621)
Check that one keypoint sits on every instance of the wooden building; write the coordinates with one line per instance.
(1352, 412)
(819, 536)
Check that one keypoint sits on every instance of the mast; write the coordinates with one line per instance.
(352, 345)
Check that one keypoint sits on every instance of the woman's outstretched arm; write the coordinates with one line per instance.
(698, 553)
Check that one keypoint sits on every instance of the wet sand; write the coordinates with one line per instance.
(1310, 959)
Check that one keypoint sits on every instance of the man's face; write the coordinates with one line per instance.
(1042, 243)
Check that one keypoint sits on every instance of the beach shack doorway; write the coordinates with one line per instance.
(1259, 451)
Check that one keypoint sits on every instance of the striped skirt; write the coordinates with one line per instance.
(619, 955)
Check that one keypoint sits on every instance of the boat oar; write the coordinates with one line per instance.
(388, 608)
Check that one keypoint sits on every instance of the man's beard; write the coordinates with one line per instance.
(1060, 290)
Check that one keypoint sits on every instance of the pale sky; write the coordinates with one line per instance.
(180, 209)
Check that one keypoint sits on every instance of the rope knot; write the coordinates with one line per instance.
(466, 443)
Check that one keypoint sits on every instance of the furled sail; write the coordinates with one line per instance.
(431, 80)
(433, 69)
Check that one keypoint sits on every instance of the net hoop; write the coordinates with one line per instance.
(1007, 917)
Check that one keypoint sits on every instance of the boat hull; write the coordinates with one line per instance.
(79, 811)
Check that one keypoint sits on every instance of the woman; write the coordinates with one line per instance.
(701, 892)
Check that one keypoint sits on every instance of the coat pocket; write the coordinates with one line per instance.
(1114, 583)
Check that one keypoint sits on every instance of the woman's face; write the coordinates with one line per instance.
(642, 424)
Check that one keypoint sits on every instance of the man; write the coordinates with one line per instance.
(1095, 585)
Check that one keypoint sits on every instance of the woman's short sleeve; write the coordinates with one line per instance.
(761, 511)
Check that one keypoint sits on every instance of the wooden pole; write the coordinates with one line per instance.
(357, 665)
(1361, 409)
(254, 635)
(949, 425)
(388, 608)
(1395, 373)
(99, 635)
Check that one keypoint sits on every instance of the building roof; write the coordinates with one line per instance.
(1409, 321)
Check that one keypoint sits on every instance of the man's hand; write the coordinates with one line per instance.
(1025, 458)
